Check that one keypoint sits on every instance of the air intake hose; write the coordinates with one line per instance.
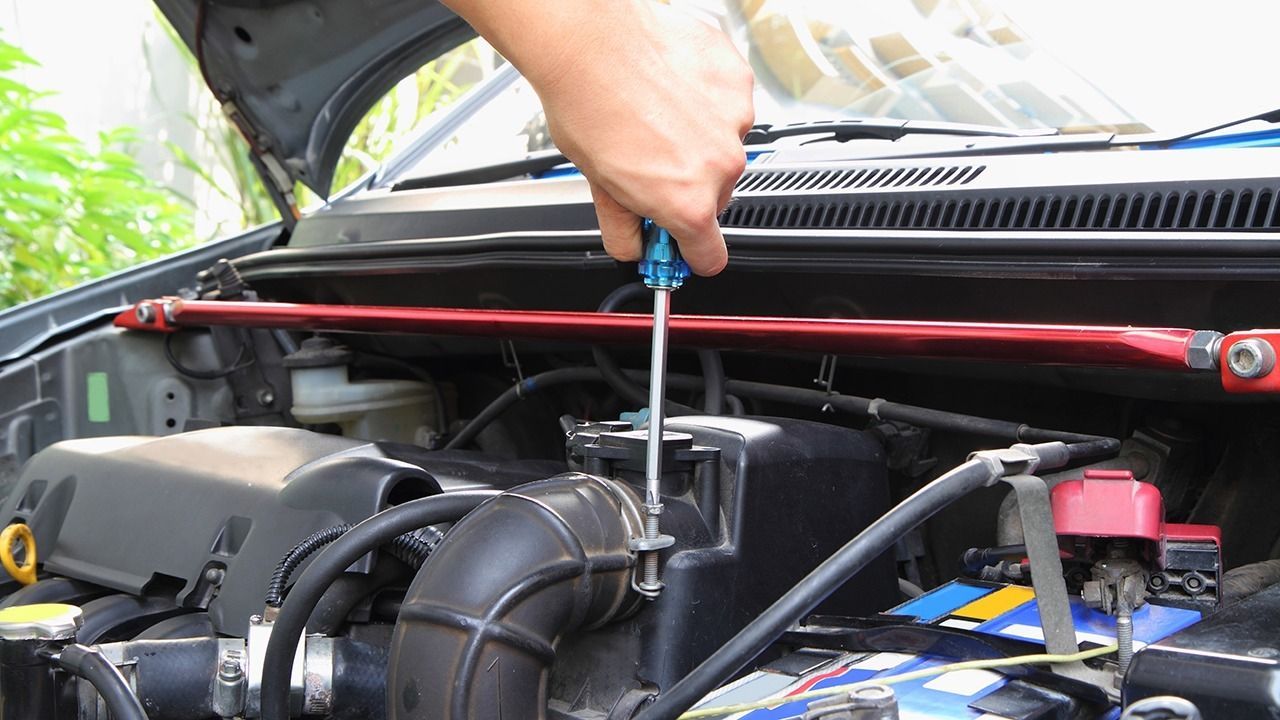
(477, 633)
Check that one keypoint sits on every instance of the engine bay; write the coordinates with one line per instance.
(463, 537)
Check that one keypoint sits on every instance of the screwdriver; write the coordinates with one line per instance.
(663, 271)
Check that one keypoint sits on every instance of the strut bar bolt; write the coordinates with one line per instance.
(1251, 358)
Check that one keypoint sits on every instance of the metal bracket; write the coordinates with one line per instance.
(511, 360)
(827, 373)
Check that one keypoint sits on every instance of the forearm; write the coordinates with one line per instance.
(549, 39)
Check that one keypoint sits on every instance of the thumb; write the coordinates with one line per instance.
(619, 227)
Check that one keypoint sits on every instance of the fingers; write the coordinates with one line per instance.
(619, 227)
(703, 247)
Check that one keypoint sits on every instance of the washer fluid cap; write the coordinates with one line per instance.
(43, 621)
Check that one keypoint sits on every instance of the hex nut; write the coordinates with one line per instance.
(1202, 350)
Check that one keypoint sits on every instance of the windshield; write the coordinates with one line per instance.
(1090, 65)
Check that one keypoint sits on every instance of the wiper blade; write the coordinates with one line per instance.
(1268, 116)
(532, 164)
(881, 129)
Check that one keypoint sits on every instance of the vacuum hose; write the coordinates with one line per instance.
(478, 628)
(364, 538)
(89, 665)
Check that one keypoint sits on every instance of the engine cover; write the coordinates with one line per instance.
(201, 518)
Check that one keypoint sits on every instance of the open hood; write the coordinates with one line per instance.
(297, 75)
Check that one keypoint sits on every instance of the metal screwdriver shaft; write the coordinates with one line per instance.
(664, 271)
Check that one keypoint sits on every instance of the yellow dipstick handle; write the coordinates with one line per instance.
(9, 537)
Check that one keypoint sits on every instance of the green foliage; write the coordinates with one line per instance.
(229, 172)
(70, 211)
(399, 112)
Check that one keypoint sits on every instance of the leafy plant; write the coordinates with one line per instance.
(71, 211)
(232, 176)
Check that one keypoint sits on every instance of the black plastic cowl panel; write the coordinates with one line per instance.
(148, 515)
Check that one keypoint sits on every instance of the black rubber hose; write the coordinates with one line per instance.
(885, 410)
(635, 393)
(713, 380)
(408, 548)
(174, 677)
(477, 633)
(632, 392)
(359, 680)
(89, 665)
(514, 394)
(802, 598)
(803, 397)
(365, 537)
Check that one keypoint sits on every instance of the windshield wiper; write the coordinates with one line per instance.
(532, 164)
(1069, 142)
(881, 129)
(1269, 116)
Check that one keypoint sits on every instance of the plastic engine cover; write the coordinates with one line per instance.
(151, 515)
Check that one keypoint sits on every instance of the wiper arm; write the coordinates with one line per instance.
(1269, 116)
(532, 164)
(880, 129)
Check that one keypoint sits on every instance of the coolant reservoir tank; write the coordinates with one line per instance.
(323, 392)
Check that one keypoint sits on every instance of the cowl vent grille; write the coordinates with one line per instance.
(1221, 209)
(854, 179)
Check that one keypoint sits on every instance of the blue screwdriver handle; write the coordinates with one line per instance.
(661, 266)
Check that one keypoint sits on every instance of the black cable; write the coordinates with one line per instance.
(332, 562)
(442, 419)
(296, 555)
(636, 393)
(90, 665)
(713, 381)
(411, 548)
(1083, 446)
(825, 579)
(514, 394)
(631, 392)
(923, 417)
(239, 363)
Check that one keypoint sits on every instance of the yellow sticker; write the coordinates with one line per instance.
(997, 603)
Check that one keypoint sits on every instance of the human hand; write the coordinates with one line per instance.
(649, 103)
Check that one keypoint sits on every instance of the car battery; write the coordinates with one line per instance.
(992, 618)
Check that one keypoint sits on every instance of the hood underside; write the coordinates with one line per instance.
(300, 74)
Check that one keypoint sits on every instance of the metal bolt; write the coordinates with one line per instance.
(1124, 639)
(1251, 358)
(145, 314)
(229, 668)
(215, 576)
(1263, 652)
(649, 579)
(266, 397)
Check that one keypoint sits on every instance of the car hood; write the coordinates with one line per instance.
(298, 75)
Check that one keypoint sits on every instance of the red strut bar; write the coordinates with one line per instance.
(1079, 345)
